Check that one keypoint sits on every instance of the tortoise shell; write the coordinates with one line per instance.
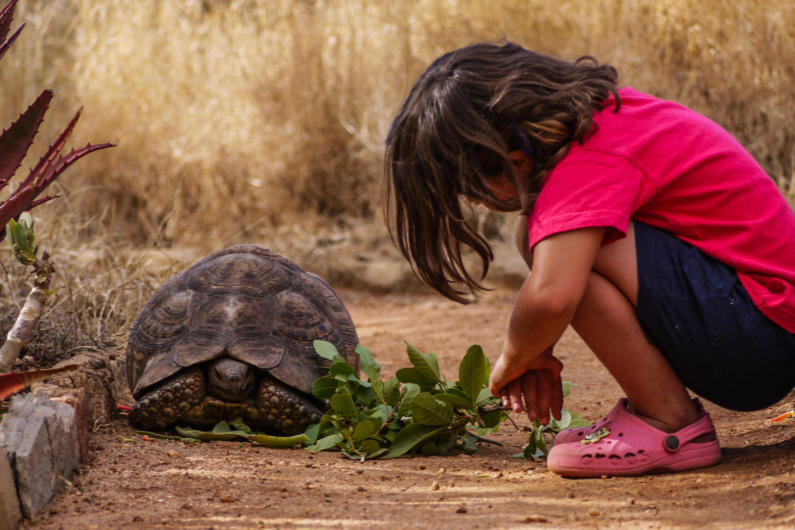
(245, 302)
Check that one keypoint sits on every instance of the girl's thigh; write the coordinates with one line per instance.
(697, 312)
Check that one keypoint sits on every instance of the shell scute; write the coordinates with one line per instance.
(246, 302)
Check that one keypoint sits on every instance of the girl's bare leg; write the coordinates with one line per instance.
(606, 321)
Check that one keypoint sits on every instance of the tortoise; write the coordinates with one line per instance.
(233, 337)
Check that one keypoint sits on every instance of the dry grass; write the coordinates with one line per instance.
(263, 121)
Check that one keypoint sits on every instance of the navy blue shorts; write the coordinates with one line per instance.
(697, 312)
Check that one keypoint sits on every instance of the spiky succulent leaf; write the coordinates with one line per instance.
(5, 45)
(15, 141)
(6, 17)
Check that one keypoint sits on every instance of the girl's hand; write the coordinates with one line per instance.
(537, 390)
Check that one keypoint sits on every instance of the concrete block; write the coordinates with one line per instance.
(39, 437)
(9, 501)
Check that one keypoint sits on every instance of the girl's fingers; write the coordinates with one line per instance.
(530, 392)
(545, 386)
(557, 397)
(515, 395)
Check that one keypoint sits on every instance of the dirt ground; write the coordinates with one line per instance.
(164, 483)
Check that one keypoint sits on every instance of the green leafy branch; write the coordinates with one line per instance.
(538, 447)
(230, 430)
(417, 411)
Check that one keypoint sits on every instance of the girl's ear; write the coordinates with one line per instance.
(521, 163)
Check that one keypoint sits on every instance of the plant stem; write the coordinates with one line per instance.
(24, 327)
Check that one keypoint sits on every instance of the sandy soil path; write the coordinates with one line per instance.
(167, 484)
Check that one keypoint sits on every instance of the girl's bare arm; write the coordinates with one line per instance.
(546, 304)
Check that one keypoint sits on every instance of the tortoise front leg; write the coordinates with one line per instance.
(284, 408)
(168, 401)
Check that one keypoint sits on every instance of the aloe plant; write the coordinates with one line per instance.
(17, 139)
(14, 144)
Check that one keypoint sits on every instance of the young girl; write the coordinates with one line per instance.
(647, 227)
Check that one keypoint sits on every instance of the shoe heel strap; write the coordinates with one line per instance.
(674, 441)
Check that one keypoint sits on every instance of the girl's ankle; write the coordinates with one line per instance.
(670, 421)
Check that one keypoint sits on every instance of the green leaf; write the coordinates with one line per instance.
(392, 391)
(538, 436)
(559, 425)
(427, 365)
(238, 424)
(473, 373)
(577, 421)
(363, 430)
(365, 396)
(380, 413)
(232, 427)
(434, 362)
(409, 391)
(485, 398)
(207, 436)
(416, 376)
(312, 432)
(457, 400)
(468, 443)
(493, 418)
(370, 447)
(408, 438)
(324, 387)
(326, 442)
(341, 368)
(326, 350)
(371, 368)
(278, 442)
(429, 411)
(342, 403)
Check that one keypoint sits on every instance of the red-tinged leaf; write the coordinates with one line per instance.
(125, 408)
(6, 17)
(65, 161)
(38, 172)
(5, 45)
(13, 382)
(780, 417)
(16, 203)
(16, 140)
(38, 202)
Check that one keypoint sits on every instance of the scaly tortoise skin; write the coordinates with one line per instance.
(233, 337)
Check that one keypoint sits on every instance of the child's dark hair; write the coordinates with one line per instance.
(462, 118)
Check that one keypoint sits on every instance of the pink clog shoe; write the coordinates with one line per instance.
(624, 444)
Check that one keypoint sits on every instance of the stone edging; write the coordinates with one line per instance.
(44, 435)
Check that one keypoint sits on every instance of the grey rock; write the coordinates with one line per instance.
(39, 437)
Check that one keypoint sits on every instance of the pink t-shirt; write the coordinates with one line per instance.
(665, 165)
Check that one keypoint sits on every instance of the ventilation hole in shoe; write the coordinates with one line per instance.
(615, 457)
(641, 451)
(621, 434)
(629, 455)
(600, 455)
(586, 458)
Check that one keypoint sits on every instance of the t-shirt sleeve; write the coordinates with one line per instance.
(587, 189)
